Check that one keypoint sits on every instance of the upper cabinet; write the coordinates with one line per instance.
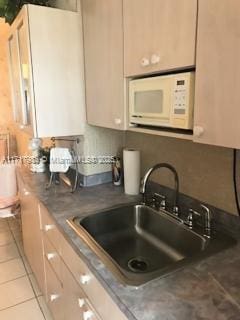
(217, 99)
(46, 71)
(159, 35)
(20, 76)
(103, 48)
(139, 35)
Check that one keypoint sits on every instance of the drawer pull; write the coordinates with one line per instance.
(48, 227)
(88, 315)
(81, 302)
(54, 297)
(50, 256)
(85, 278)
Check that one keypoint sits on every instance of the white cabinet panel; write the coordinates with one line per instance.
(159, 35)
(46, 64)
(32, 238)
(103, 46)
(218, 74)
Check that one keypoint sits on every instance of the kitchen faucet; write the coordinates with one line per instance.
(176, 179)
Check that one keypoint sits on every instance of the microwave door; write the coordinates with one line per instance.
(151, 104)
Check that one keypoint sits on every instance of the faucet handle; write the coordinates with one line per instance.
(190, 216)
(206, 209)
(176, 210)
(162, 202)
(207, 221)
(194, 212)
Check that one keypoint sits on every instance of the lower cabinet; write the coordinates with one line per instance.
(76, 303)
(52, 257)
(74, 297)
(32, 235)
(71, 291)
(54, 293)
(99, 298)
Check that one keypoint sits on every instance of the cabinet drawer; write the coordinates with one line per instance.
(54, 293)
(74, 297)
(99, 298)
(88, 311)
(50, 229)
(52, 256)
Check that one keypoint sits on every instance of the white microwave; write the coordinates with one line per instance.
(163, 101)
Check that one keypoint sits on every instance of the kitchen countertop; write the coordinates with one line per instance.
(209, 289)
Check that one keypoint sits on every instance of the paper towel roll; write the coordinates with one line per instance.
(131, 166)
(8, 181)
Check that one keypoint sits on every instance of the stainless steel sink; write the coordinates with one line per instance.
(139, 243)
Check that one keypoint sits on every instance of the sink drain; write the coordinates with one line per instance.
(138, 264)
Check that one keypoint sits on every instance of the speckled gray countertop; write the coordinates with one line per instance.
(209, 289)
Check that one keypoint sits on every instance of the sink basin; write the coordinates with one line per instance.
(139, 243)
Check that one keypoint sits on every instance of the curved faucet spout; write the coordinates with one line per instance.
(148, 174)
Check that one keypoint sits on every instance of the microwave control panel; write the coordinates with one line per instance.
(183, 100)
(180, 96)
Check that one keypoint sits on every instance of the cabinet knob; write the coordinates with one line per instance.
(118, 121)
(81, 302)
(48, 227)
(26, 193)
(155, 59)
(198, 131)
(88, 315)
(145, 62)
(50, 256)
(85, 278)
(54, 297)
(21, 126)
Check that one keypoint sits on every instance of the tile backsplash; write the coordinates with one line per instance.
(99, 142)
(205, 172)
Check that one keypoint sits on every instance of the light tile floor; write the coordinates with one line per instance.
(20, 296)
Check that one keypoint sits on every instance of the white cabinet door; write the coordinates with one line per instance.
(217, 99)
(54, 293)
(58, 71)
(47, 72)
(20, 74)
(159, 35)
(32, 238)
(103, 45)
(74, 297)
